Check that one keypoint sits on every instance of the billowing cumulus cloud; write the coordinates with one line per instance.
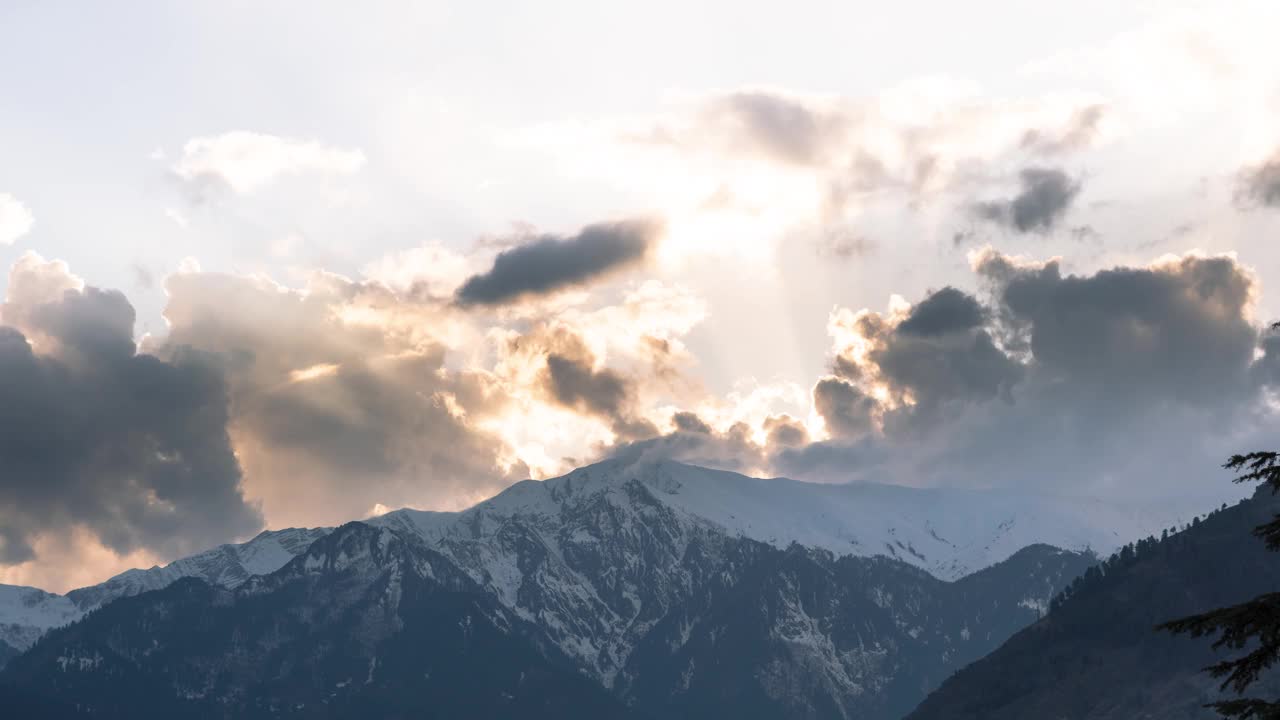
(1177, 329)
(846, 409)
(552, 262)
(348, 394)
(340, 397)
(344, 395)
(938, 353)
(128, 447)
(943, 311)
(15, 219)
(1075, 382)
(243, 161)
(1044, 197)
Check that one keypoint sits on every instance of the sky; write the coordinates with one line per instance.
(297, 263)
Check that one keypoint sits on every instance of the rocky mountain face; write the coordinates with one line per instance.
(1096, 656)
(602, 588)
(368, 623)
(610, 558)
(27, 613)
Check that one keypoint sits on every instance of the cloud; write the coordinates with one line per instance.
(733, 449)
(555, 360)
(943, 311)
(1128, 380)
(847, 411)
(937, 353)
(576, 384)
(783, 128)
(243, 162)
(15, 219)
(431, 270)
(686, 421)
(1176, 329)
(341, 398)
(1260, 184)
(783, 431)
(130, 448)
(919, 139)
(553, 262)
(1045, 196)
(1080, 132)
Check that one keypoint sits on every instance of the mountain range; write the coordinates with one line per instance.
(632, 589)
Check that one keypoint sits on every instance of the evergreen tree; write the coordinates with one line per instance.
(1254, 624)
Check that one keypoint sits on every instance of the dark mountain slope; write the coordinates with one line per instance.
(1097, 655)
(367, 623)
(803, 635)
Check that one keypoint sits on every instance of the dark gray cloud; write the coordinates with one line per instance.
(1260, 185)
(943, 311)
(1044, 198)
(690, 422)
(572, 381)
(847, 411)
(941, 353)
(938, 369)
(575, 384)
(1137, 380)
(133, 448)
(1177, 331)
(553, 263)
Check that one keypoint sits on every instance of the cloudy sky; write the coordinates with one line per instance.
(297, 263)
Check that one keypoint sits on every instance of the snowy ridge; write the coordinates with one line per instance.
(945, 532)
(597, 556)
(226, 565)
(26, 613)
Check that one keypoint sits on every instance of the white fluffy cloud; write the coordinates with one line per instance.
(247, 161)
(15, 219)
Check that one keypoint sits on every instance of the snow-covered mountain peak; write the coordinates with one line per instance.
(946, 532)
(26, 613)
(599, 553)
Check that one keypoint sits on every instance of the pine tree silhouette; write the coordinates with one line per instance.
(1254, 624)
